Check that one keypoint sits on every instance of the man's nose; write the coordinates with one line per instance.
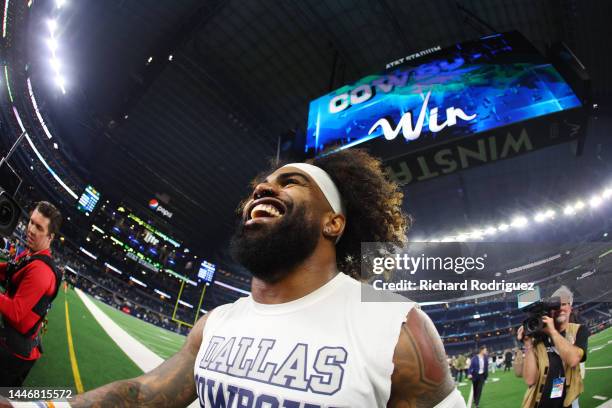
(265, 189)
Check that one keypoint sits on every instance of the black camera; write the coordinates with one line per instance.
(533, 324)
(10, 212)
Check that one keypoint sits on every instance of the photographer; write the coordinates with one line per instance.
(31, 282)
(551, 366)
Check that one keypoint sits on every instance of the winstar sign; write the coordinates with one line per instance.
(154, 205)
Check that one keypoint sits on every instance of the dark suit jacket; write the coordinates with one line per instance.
(473, 370)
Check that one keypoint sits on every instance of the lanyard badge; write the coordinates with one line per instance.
(557, 387)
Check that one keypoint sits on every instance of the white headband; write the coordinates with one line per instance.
(325, 183)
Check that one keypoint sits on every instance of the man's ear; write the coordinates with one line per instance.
(334, 226)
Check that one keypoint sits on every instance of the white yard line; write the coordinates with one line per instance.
(471, 396)
(144, 358)
(607, 404)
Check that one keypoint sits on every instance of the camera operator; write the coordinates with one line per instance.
(31, 282)
(551, 366)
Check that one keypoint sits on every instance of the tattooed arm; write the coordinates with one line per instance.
(421, 377)
(169, 385)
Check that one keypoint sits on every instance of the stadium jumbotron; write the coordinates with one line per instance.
(306, 204)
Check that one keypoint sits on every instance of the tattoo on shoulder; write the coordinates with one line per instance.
(421, 377)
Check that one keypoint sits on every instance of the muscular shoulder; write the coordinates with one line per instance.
(421, 376)
(194, 338)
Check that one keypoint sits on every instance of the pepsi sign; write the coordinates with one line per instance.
(155, 206)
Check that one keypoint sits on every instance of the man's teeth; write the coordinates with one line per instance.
(264, 210)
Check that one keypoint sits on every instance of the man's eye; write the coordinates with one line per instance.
(291, 181)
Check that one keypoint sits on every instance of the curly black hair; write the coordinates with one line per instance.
(373, 205)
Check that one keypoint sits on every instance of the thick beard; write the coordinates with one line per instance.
(271, 252)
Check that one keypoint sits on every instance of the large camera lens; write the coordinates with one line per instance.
(9, 214)
(6, 213)
(533, 325)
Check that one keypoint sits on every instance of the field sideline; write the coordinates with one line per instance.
(99, 360)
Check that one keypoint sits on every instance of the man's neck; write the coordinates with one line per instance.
(32, 252)
(305, 278)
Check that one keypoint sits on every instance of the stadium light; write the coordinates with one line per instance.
(60, 83)
(38, 114)
(6, 4)
(185, 304)
(52, 24)
(52, 44)
(112, 268)
(477, 233)
(67, 267)
(225, 285)
(59, 3)
(42, 160)
(89, 254)
(490, 230)
(519, 222)
(138, 282)
(540, 217)
(595, 201)
(162, 294)
(8, 84)
(55, 64)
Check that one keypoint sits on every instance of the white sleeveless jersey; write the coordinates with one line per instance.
(327, 349)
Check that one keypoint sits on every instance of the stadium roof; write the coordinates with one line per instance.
(195, 127)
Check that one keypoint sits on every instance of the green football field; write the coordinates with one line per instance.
(97, 359)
